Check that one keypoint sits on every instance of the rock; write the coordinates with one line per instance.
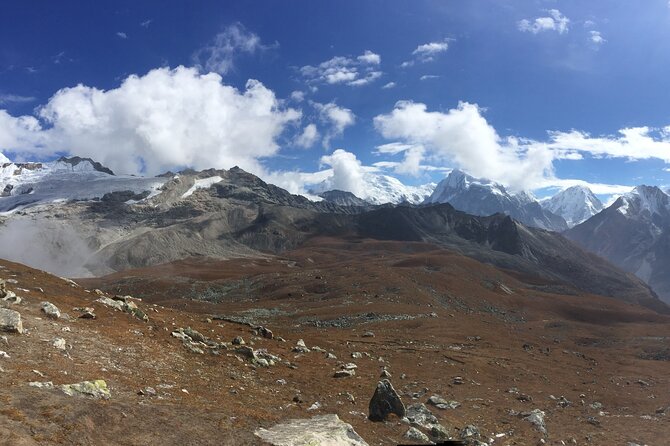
(443, 404)
(315, 406)
(419, 415)
(117, 305)
(324, 430)
(95, 389)
(593, 421)
(597, 405)
(344, 374)
(147, 391)
(87, 315)
(59, 343)
(415, 434)
(50, 310)
(10, 321)
(536, 418)
(458, 380)
(4, 355)
(300, 347)
(385, 374)
(470, 434)
(438, 432)
(368, 334)
(195, 335)
(41, 385)
(238, 341)
(524, 398)
(330, 356)
(266, 333)
(385, 401)
(127, 307)
(357, 355)
(349, 366)
(563, 402)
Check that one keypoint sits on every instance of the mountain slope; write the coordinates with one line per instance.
(575, 204)
(633, 233)
(480, 196)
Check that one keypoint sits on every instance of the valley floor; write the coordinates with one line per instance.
(443, 324)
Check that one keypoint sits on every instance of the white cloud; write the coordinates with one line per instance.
(370, 58)
(339, 118)
(218, 56)
(308, 137)
(122, 35)
(369, 78)
(348, 173)
(633, 143)
(146, 23)
(428, 50)
(152, 123)
(597, 38)
(15, 99)
(554, 22)
(427, 77)
(298, 96)
(462, 136)
(596, 188)
(344, 70)
(389, 85)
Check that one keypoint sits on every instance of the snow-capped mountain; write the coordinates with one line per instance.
(634, 234)
(382, 189)
(480, 196)
(29, 184)
(575, 204)
(342, 198)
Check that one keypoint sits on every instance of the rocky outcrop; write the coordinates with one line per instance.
(324, 430)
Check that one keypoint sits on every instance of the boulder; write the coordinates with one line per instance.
(414, 434)
(10, 321)
(385, 401)
(323, 430)
(50, 310)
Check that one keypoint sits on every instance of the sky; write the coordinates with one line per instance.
(538, 95)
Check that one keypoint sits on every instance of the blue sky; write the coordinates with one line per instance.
(544, 88)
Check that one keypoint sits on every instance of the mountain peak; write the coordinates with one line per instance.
(481, 196)
(643, 198)
(575, 204)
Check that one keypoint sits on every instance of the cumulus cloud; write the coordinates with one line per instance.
(152, 123)
(146, 23)
(555, 21)
(122, 35)
(218, 56)
(369, 57)
(308, 137)
(427, 77)
(348, 173)
(354, 72)
(389, 85)
(462, 136)
(596, 38)
(338, 118)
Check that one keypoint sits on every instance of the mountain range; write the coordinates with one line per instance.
(233, 214)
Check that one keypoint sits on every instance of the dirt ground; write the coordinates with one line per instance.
(435, 315)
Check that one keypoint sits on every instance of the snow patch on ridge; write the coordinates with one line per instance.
(203, 183)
